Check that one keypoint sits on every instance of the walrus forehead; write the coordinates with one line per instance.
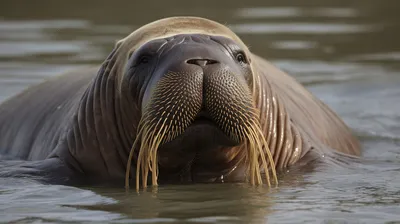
(172, 26)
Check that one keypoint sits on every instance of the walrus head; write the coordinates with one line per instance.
(192, 80)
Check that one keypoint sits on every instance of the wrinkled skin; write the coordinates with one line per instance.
(81, 126)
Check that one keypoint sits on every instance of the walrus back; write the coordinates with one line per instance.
(32, 122)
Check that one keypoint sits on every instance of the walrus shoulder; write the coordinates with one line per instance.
(31, 122)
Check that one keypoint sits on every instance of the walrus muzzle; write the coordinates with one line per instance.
(198, 87)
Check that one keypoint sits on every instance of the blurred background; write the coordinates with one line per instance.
(347, 52)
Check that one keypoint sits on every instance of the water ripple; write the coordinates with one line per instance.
(301, 28)
(14, 49)
(30, 200)
(294, 45)
(28, 25)
(387, 56)
(285, 12)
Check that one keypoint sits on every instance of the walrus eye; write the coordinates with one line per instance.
(240, 57)
(143, 59)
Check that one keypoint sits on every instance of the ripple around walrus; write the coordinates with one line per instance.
(43, 24)
(383, 57)
(300, 28)
(290, 12)
(20, 49)
(321, 72)
(294, 45)
(30, 202)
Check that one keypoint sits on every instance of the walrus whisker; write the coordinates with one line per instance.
(141, 166)
(253, 158)
(266, 149)
(153, 153)
(270, 157)
(143, 131)
(140, 155)
(257, 147)
(129, 162)
(252, 163)
(264, 163)
(255, 142)
(151, 139)
(141, 152)
(144, 167)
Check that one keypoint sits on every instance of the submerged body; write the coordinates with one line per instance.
(190, 93)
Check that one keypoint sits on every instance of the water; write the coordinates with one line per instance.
(346, 52)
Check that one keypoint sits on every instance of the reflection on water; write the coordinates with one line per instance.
(299, 28)
(28, 201)
(295, 12)
(347, 53)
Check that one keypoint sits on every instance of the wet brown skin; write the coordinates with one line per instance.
(81, 125)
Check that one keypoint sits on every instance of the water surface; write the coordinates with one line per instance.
(346, 52)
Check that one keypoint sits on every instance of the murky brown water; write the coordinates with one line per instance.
(346, 52)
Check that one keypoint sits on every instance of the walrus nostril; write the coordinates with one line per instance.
(201, 62)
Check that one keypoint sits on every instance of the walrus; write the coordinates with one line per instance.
(181, 99)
